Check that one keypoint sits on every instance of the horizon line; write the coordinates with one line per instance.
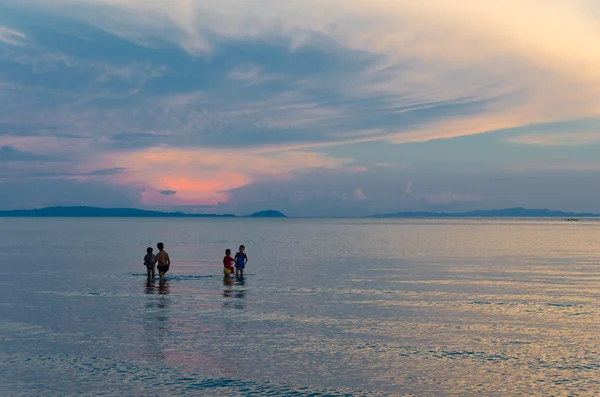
(511, 212)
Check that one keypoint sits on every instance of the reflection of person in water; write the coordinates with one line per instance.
(240, 302)
(240, 294)
(156, 325)
(163, 301)
(163, 287)
(228, 291)
(149, 287)
(228, 283)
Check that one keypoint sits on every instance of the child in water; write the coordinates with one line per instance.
(163, 260)
(228, 263)
(240, 261)
(149, 262)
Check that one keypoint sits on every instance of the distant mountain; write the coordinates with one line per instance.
(94, 212)
(518, 212)
(267, 214)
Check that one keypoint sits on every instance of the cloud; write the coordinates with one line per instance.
(558, 165)
(389, 165)
(359, 195)
(298, 84)
(450, 198)
(205, 176)
(106, 171)
(572, 139)
(408, 190)
(10, 154)
(209, 99)
(319, 193)
(167, 192)
(38, 193)
(437, 199)
(12, 37)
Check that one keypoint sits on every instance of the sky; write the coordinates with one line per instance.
(310, 107)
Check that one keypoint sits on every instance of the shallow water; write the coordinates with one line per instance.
(327, 308)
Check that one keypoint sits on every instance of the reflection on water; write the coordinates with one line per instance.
(157, 327)
(149, 286)
(228, 283)
(236, 291)
(163, 287)
(361, 307)
(240, 293)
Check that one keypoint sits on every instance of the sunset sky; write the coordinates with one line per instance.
(311, 107)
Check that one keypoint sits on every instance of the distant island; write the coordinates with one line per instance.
(518, 212)
(95, 212)
(267, 214)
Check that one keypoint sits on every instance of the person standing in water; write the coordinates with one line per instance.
(150, 262)
(240, 261)
(164, 262)
(227, 263)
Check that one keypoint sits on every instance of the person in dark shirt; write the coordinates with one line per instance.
(150, 262)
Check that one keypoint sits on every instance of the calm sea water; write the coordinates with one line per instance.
(327, 308)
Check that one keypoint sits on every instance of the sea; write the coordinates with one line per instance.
(327, 307)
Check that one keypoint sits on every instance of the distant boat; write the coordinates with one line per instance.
(572, 220)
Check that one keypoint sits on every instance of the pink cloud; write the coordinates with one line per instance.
(570, 139)
(203, 176)
(359, 195)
